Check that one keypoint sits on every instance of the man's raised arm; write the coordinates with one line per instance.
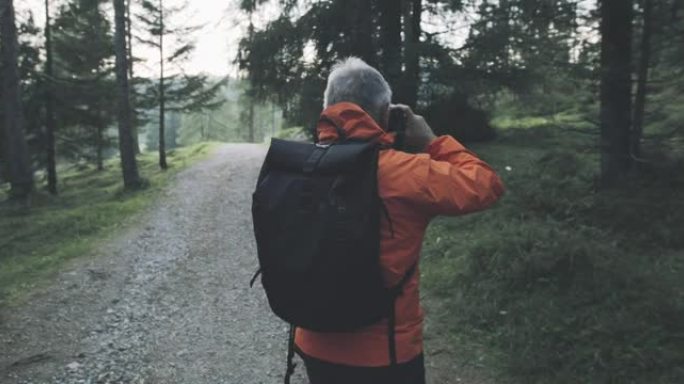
(453, 180)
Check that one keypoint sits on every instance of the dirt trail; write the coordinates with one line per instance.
(167, 301)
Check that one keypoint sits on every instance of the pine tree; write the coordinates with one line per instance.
(520, 44)
(131, 73)
(247, 97)
(616, 89)
(16, 149)
(175, 90)
(83, 57)
(129, 165)
(390, 42)
(412, 11)
(642, 77)
(359, 15)
(248, 105)
(31, 91)
(273, 57)
(51, 162)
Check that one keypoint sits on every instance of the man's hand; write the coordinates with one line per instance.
(418, 132)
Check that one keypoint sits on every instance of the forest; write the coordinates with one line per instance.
(576, 276)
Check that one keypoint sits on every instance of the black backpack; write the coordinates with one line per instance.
(316, 214)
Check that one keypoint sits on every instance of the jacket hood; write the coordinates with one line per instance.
(353, 121)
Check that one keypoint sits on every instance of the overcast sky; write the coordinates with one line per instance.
(216, 41)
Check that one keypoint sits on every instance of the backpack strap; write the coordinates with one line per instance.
(395, 292)
(290, 354)
(383, 207)
(312, 161)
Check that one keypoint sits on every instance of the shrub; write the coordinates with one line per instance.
(565, 284)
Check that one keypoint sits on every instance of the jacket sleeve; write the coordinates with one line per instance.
(456, 181)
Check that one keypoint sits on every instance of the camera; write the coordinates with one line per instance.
(397, 125)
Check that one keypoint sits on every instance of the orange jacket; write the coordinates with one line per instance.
(446, 180)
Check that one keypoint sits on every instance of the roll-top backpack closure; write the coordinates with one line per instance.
(324, 159)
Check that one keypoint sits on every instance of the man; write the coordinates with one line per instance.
(433, 176)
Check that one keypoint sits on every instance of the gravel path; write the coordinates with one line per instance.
(167, 301)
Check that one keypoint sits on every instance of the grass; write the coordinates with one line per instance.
(560, 282)
(560, 120)
(37, 242)
(292, 133)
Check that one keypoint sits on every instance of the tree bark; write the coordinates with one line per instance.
(252, 137)
(16, 149)
(162, 97)
(99, 148)
(273, 119)
(129, 37)
(615, 94)
(642, 78)
(51, 163)
(390, 44)
(412, 13)
(362, 31)
(129, 166)
(203, 128)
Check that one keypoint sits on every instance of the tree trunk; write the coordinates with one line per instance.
(129, 166)
(615, 94)
(390, 43)
(129, 37)
(50, 160)
(162, 97)
(412, 13)
(504, 23)
(203, 128)
(362, 31)
(273, 119)
(16, 149)
(99, 149)
(251, 120)
(642, 78)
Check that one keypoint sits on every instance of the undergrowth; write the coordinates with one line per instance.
(562, 282)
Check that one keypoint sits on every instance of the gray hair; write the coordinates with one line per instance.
(352, 80)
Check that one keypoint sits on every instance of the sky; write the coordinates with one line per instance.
(216, 42)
